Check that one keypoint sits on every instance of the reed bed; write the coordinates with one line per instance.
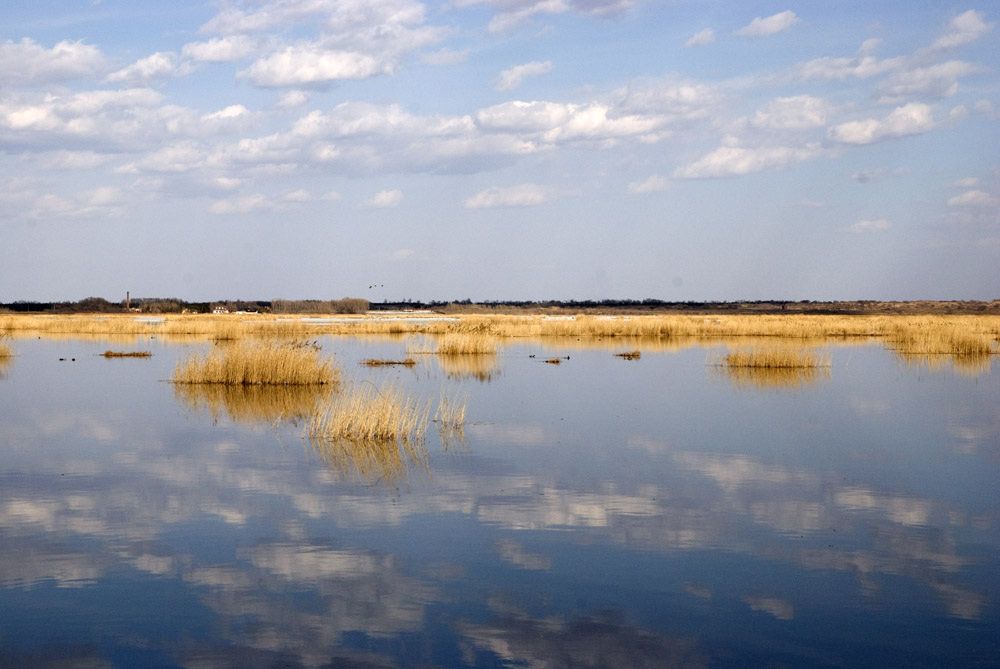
(468, 343)
(962, 334)
(297, 362)
(366, 413)
(773, 357)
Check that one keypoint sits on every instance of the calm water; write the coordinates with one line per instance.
(599, 512)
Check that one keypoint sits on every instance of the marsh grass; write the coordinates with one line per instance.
(296, 362)
(127, 354)
(364, 412)
(253, 404)
(772, 357)
(468, 343)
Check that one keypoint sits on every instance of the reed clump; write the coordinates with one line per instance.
(127, 354)
(773, 357)
(468, 343)
(365, 413)
(297, 362)
(630, 355)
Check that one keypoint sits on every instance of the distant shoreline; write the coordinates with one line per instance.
(648, 306)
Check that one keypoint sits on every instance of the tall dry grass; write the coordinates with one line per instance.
(365, 412)
(297, 362)
(773, 357)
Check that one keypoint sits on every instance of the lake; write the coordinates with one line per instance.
(601, 511)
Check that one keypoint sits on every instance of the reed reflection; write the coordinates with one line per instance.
(253, 404)
(481, 367)
(772, 378)
(372, 460)
(971, 365)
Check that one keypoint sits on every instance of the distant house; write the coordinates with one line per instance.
(220, 309)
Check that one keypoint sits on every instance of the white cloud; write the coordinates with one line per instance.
(935, 81)
(402, 254)
(874, 225)
(292, 99)
(706, 36)
(300, 195)
(911, 119)
(74, 160)
(512, 14)
(160, 65)
(800, 112)
(653, 184)
(762, 27)
(968, 182)
(524, 195)
(385, 199)
(233, 117)
(220, 49)
(727, 161)
(311, 65)
(511, 78)
(241, 205)
(974, 198)
(963, 29)
(27, 63)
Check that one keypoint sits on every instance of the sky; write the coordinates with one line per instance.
(500, 149)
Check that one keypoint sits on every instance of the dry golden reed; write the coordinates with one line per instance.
(773, 357)
(295, 362)
(365, 412)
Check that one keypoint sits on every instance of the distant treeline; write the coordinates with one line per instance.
(172, 305)
(351, 305)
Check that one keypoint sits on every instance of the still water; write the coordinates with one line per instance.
(597, 512)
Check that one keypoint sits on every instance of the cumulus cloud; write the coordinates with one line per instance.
(220, 49)
(935, 81)
(974, 198)
(524, 195)
(706, 36)
(350, 40)
(873, 225)
(309, 65)
(963, 29)
(653, 184)
(912, 119)
(800, 112)
(385, 199)
(27, 63)
(728, 161)
(511, 78)
(762, 27)
(968, 182)
(160, 65)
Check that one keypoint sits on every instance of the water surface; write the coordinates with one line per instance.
(596, 512)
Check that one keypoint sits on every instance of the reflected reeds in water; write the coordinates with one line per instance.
(971, 365)
(6, 361)
(371, 460)
(771, 378)
(481, 367)
(253, 404)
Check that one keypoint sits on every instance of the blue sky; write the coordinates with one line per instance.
(500, 149)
